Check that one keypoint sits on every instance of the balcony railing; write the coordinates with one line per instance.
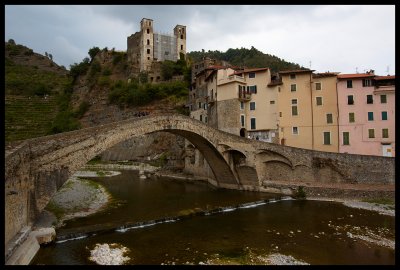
(244, 95)
(232, 78)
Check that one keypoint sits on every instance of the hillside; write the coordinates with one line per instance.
(250, 58)
(34, 86)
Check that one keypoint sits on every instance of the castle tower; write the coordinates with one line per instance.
(146, 44)
(180, 34)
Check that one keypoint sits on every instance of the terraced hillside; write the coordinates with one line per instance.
(28, 117)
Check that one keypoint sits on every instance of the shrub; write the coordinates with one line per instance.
(82, 109)
(117, 57)
(107, 72)
(300, 193)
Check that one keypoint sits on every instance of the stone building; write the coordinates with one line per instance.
(146, 46)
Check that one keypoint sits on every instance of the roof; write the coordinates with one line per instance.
(325, 74)
(388, 77)
(215, 67)
(355, 76)
(296, 71)
(249, 70)
(273, 83)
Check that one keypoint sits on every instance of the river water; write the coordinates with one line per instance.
(228, 225)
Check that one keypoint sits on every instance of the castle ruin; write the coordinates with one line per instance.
(146, 47)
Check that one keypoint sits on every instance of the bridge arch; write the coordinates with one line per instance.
(38, 167)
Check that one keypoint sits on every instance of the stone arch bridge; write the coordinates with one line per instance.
(35, 169)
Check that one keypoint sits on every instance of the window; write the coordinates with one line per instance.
(252, 75)
(293, 76)
(351, 117)
(148, 51)
(242, 105)
(201, 117)
(272, 102)
(181, 47)
(181, 36)
(371, 133)
(294, 107)
(349, 84)
(148, 42)
(370, 116)
(366, 82)
(370, 100)
(350, 100)
(280, 114)
(242, 120)
(318, 86)
(293, 87)
(329, 118)
(319, 101)
(148, 58)
(252, 106)
(383, 99)
(346, 138)
(295, 130)
(148, 31)
(252, 123)
(205, 119)
(205, 106)
(327, 138)
(252, 89)
(385, 133)
(199, 105)
(384, 115)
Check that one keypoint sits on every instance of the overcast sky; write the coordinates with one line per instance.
(333, 38)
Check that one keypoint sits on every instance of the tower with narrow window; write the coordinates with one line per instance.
(180, 35)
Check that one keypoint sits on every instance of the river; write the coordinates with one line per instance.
(230, 226)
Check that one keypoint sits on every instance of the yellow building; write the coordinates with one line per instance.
(294, 107)
(325, 112)
(308, 112)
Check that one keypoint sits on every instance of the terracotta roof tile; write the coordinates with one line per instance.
(355, 76)
(295, 71)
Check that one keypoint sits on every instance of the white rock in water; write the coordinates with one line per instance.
(105, 254)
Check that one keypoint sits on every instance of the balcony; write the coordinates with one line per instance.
(210, 100)
(244, 96)
(231, 78)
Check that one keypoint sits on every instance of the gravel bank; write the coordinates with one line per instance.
(78, 198)
(380, 208)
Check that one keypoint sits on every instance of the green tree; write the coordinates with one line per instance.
(93, 52)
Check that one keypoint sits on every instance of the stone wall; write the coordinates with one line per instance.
(229, 116)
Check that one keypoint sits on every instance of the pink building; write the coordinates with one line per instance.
(366, 114)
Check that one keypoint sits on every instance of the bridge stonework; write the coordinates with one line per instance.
(35, 169)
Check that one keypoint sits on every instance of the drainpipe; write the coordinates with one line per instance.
(312, 114)
(337, 118)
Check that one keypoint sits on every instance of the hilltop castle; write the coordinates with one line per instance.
(146, 47)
